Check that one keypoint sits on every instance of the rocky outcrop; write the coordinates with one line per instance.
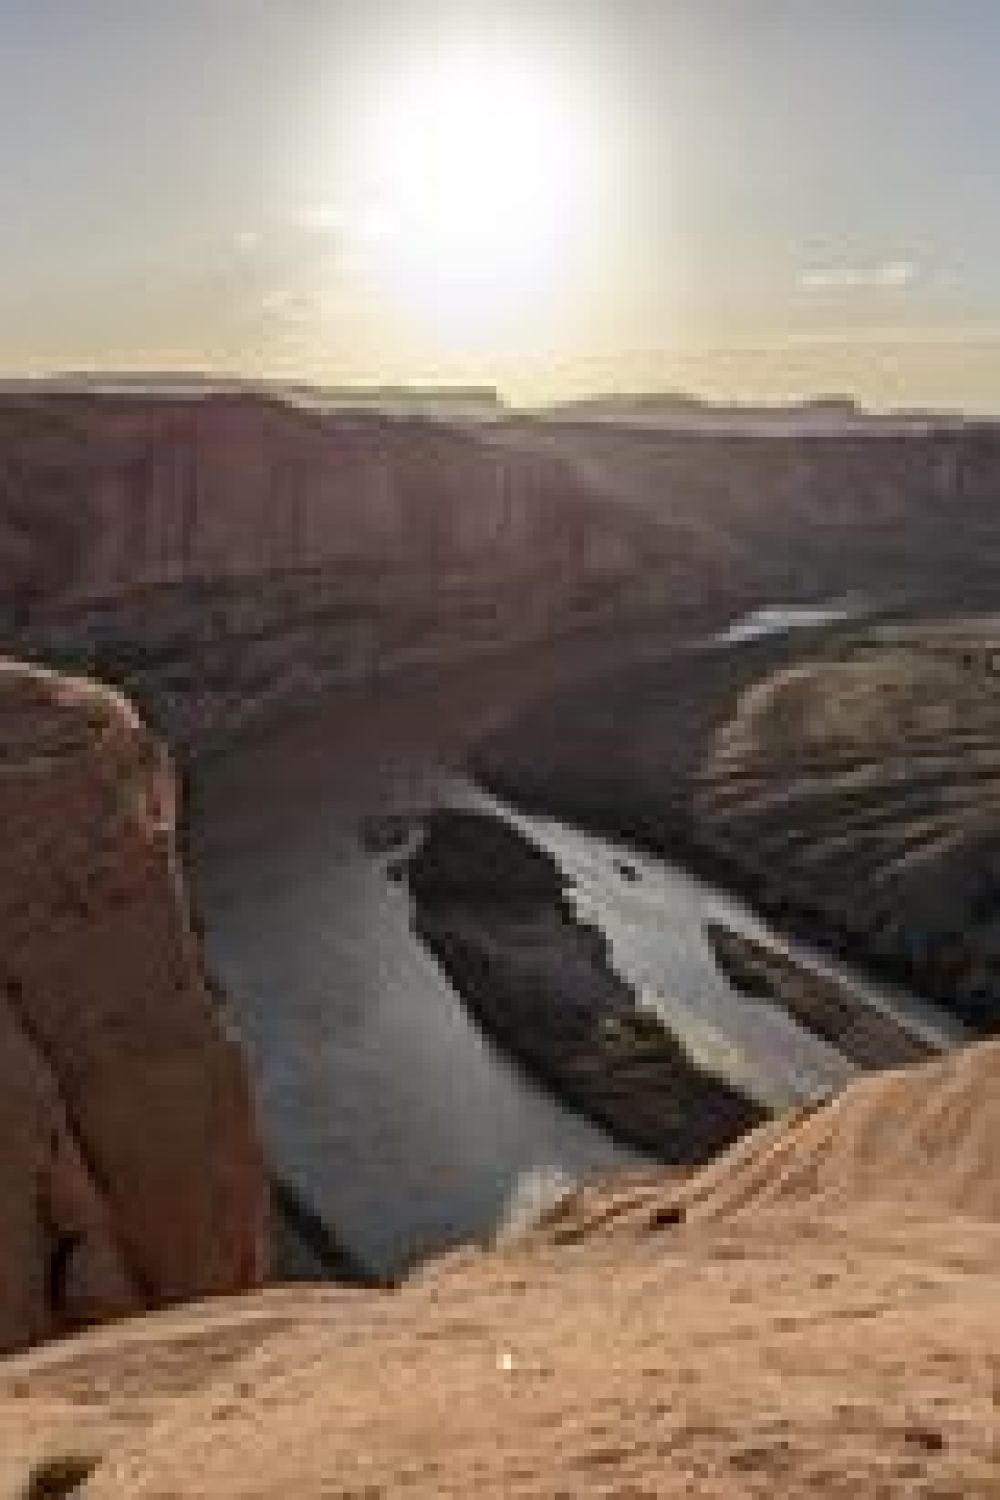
(819, 1002)
(856, 787)
(494, 910)
(130, 1173)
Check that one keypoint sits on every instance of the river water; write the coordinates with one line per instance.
(779, 619)
(396, 1120)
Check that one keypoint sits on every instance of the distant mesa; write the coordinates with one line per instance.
(683, 407)
(427, 400)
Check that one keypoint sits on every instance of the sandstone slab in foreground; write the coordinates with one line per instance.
(815, 1315)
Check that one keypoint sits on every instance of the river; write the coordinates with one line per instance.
(386, 1108)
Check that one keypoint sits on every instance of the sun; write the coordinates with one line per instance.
(479, 168)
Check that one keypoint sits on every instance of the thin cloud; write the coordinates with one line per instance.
(887, 275)
(350, 227)
(291, 273)
(316, 229)
(246, 241)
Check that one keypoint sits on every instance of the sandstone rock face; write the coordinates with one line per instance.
(222, 557)
(764, 516)
(917, 1144)
(913, 1141)
(130, 1173)
(100, 496)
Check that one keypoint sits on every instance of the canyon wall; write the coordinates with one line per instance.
(101, 496)
(793, 513)
(105, 496)
(130, 1170)
(221, 557)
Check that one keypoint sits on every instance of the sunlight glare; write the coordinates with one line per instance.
(481, 169)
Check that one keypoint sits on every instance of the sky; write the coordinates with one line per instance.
(749, 199)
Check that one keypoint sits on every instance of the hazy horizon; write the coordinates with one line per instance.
(553, 199)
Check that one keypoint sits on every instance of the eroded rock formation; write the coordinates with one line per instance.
(130, 1173)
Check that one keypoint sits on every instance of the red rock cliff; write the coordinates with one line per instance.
(130, 1172)
(100, 496)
